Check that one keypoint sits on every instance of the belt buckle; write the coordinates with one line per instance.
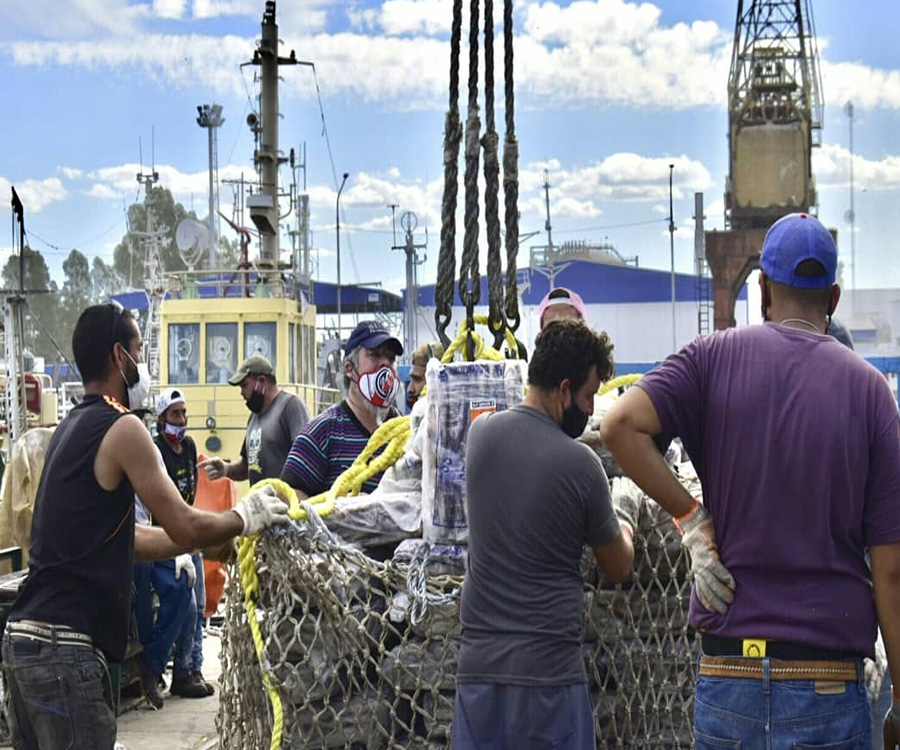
(754, 648)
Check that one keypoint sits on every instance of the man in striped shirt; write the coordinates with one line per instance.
(329, 444)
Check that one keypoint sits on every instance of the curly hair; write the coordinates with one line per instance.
(569, 349)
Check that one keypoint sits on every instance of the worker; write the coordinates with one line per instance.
(420, 358)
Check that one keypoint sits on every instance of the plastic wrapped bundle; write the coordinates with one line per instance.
(458, 392)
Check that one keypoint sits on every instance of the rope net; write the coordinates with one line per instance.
(358, 616)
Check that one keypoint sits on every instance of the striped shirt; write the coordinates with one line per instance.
(324, 449)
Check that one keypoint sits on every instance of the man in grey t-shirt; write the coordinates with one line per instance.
(276, 419)
(535, 498)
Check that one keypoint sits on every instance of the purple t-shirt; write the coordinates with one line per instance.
(796, 441)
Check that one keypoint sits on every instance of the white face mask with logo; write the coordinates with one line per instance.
(379, 387)
(139, 390)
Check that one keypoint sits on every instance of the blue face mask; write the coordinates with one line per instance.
(175, 432)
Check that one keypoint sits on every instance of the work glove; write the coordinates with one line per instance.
(890, 728)
(215, 467)
(186, 564)
(714, 584)
(626, 501)
(260, 509)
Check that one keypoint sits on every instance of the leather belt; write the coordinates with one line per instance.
(44, 632)
(752, 669)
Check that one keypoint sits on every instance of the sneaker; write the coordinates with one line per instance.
(188, 687)
(150, 687)
(198, 675)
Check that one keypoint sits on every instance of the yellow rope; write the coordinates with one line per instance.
(395, 434)
(481, 351)
(250, 581)
(619, 382)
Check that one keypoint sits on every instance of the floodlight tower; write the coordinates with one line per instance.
(210, 117)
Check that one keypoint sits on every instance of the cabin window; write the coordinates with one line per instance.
(184, 353)
(259, 338)
(292, 353)
(221, 351)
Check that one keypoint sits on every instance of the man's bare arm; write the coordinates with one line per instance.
(627, 431)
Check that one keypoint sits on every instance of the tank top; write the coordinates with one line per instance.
(82, 536)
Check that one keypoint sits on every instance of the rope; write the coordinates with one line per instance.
(394, 433)
(619, 382)
(469, 275)
(510, 174)
(443, 290)
(489, 142)
(479, 350)
(417, 586)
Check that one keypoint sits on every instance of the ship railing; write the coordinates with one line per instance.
(257, 283)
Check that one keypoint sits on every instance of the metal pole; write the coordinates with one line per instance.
(851, 214)
(672, 253)
(337, 227)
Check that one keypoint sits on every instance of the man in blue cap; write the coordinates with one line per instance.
(796, 441)
(330, 443)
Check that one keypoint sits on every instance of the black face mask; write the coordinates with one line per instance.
(574, 421)
(256, 401)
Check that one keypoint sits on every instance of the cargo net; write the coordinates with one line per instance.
(358, 620)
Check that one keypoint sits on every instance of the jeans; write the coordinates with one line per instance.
(517, 717)
(60, 696)
(189, 645)
(764, 714)
(174, 595)
(879, 708)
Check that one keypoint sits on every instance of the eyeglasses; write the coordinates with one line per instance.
(116, 308)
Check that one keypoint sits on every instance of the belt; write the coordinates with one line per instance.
(717, 645)
(752, 669)
(44, 632)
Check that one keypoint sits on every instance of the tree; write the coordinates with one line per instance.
(42, 311)
(165, 214)
(104, 280)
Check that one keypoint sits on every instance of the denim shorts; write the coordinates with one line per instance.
(763, 714)
(516, 717)
(60, 696)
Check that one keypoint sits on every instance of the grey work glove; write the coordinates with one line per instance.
(260, 509)
(185, 563)
(714, 584)
(215, 467)
(626, 499)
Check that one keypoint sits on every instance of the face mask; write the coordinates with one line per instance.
(380, 387)
(140, 389)
(256, 400)
(574, 421)
(175, 432)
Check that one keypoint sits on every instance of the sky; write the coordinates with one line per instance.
(609, 93)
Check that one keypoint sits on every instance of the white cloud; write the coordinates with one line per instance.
(71, 173)
(216, 8)
(429, 17)
(831, 166)
(103, 192)
(35, 195)
(868, 88)
(72, 19)
(173, 9)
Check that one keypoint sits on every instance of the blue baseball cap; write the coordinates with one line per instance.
(790, 241)
(371, 334)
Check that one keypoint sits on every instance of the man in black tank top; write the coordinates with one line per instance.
(72, 614)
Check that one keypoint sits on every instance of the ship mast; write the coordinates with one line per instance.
(264, 205)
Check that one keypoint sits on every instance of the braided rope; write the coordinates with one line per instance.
(480, 351)
(469, 275)
(510, 174)
(619, 382)
(443, 290)
(490, 142)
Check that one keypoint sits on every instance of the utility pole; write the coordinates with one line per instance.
(210, 117)
(851, 214)
(672, 252)
(337, 228)
(409, 221)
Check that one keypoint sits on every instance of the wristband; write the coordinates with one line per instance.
(678, 521)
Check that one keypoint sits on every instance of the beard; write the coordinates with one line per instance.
(379, 412)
